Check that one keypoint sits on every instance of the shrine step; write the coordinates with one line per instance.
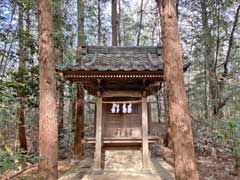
(123, 160)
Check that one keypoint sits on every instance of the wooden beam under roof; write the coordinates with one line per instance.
(122, 94)
(124, 50)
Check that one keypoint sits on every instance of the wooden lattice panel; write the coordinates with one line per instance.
(122, 124)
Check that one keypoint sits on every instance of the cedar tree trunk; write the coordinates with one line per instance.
(181, 132)
(22, 69)
(48, 123)
(78, 148)
(79, 130)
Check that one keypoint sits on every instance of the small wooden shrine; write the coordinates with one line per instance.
(121, 78)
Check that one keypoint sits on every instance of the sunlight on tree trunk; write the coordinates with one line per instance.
(181, 132)
(48, 123)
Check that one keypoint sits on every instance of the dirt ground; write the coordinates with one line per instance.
(210, 168)
(215, 168)
(70, 169)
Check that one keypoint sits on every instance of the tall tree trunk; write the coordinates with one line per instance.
(80, 21)
(59, 50)
(177, 8)
(205, 89)
(124, 34)
(158, 101)
(210, 60)
(73, 107)
(119, 23)
(231, 40)
(79, 130)
(140, 23)
(61, 101)
(48, 123)
(167, 135)
(114, 22)
(99, 23)
(153, 32)
(22, 69)
(181, 131)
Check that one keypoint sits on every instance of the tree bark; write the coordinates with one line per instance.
(205, 89)
(114, 22)
(48, 123)
(21, 70)
(73, 107)
(181, 132)
(158, 101)
(79, 131)
(78, 148)
(80, 21)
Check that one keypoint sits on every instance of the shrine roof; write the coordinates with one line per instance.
(96, 58)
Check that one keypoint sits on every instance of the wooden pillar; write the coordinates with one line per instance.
(149, 117)
(95, 117)
(98, 147)
(145, 150)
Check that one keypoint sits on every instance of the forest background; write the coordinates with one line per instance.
(210, 39)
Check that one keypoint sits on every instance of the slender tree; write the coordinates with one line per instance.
(119, 23)
(210, 69)
(21, 69)
(114, 22)
(99, 22)
(140, 23)
(181, 132)
(48, 123)
(231, 40)
(167, 135)
(79, 130)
